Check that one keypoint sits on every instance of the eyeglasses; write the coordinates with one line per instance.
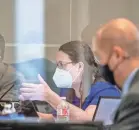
(62, 65)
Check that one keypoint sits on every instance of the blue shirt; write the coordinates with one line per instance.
(128, 81)
(97, 90)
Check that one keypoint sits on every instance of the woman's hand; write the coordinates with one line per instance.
(39, 92)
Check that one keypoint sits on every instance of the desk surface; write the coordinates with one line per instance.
(37, 124)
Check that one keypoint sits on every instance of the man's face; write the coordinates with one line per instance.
(100, 55)
(113, 57)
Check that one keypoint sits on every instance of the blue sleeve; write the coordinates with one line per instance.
(103, 93)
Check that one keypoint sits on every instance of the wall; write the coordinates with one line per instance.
(7, 19)
(101, 11)
(64, 21)
(134, 9)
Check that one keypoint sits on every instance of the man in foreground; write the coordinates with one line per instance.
(116, 46)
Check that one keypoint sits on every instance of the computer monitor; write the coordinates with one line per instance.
(105, 110)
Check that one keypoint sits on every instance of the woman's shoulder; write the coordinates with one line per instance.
(102, 86)
(101, 89)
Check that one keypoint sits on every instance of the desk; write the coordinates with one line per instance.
(34, 124)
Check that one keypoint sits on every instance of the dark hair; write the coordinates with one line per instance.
(79, 51)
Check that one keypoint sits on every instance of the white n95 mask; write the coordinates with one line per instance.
(62, 78)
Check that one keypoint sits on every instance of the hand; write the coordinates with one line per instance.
(46, 116)
(31, 91)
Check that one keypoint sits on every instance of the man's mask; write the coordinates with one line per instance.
(107, 74)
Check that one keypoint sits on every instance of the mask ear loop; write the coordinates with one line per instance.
(80, 90)
(76, 75)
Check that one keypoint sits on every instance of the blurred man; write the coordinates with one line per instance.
(116, 46)
(9, 80)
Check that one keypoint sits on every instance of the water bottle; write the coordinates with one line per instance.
(63, 111)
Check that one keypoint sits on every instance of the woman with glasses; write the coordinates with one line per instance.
(77, 72)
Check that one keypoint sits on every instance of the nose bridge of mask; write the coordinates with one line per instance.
(62, 71)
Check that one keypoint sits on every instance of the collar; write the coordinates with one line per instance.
(128, 81)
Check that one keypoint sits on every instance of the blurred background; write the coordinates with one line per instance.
(36, 28)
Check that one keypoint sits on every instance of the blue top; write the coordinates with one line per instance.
(97, 90)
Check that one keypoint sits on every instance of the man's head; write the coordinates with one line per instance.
(116, 44)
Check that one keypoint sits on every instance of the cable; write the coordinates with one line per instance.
(6, 92)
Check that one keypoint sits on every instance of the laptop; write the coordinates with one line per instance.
(106, 109)
(43, 107)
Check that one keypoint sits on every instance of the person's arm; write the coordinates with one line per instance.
(75, 113)
(43, 92)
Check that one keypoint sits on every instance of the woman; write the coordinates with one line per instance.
(75, 67)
